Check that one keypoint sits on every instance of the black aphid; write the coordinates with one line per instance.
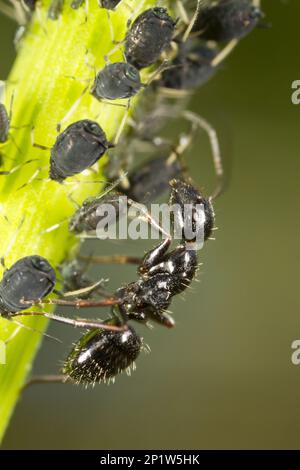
(77, 148)
(30, 278)
(100, 355)
(75, 4)
(228, 19)
(88, 217)
(55, 9)
(151, 180)
(108, 4)
(150, 34)
(4, 124)
(30, 4)
(191, 67)
(116, 81)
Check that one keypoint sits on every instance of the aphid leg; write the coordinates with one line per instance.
(19, 13)
(123, 123)
(224, 53)
(117, 46)
(215, 148)
(78, 322)
(163, 66)
(7, 10)
(72, 109)
(200, 4)
(182, 12)
(135, 12)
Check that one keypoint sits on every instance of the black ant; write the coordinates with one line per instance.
(162, 275)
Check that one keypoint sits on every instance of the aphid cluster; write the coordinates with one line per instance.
(193, 50)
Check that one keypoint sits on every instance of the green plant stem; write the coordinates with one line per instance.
(56, 61)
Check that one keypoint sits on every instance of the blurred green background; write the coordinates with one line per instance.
(223, 378)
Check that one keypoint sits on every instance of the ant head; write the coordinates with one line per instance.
(102, 354)
(193, 211)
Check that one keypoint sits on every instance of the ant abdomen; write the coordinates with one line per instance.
(100, 355)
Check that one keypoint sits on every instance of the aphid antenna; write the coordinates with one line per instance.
(85, 290)
(11, 242)
(20, 326)
(215, 149)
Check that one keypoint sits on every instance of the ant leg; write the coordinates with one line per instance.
(215, 147)
(47, 379)
(78, 303)
(114, 259)
(75, 322)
